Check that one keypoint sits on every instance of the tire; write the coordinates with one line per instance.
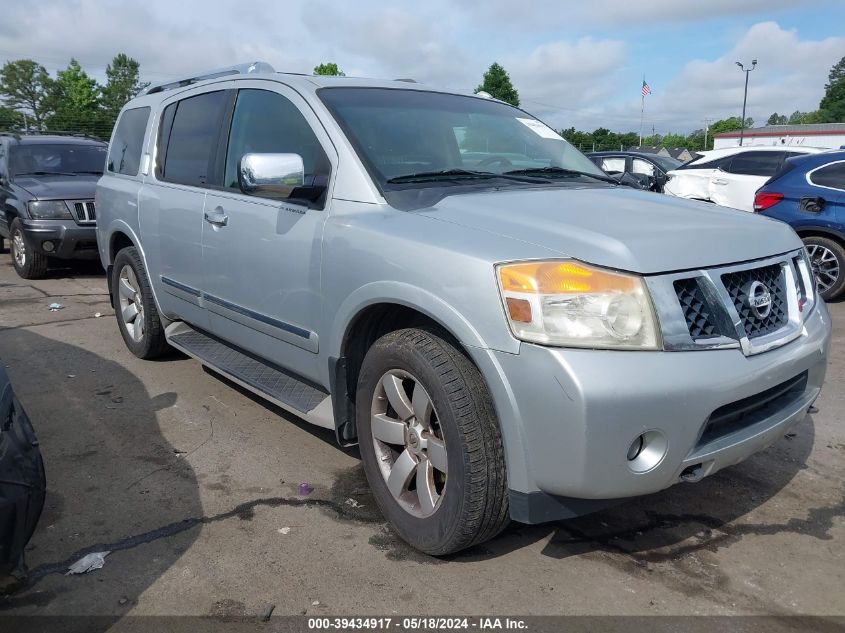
(135, 307)
(828, 259)
(468, 502)
(28, 263)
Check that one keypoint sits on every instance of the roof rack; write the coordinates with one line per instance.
(239, 69)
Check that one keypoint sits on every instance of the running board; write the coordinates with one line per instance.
(271, 383)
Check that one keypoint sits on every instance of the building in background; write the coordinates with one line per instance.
(827, 135)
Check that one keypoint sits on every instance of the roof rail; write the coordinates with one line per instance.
(239, 69)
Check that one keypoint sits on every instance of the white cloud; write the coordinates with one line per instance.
(790, 76)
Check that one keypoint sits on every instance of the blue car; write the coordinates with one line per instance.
(808, 193)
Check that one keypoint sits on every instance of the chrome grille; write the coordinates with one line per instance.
(697, 312)
(84, 212)
(738, 283)
(711, 308)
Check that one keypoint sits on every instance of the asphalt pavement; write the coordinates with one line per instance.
(192, 484)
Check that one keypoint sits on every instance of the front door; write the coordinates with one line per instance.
(261, 256)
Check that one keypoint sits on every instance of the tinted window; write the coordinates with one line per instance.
(830, 176)
(189, 156)
(50, 158)
(126, 144)
(266, 122)
(755, 163)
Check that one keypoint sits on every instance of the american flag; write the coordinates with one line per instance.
(646, 89)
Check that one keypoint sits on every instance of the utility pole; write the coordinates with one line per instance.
(745, 96)
(706, 129)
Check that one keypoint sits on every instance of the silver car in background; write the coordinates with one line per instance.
(443, 280)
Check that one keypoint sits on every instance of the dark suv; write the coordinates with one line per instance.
(47, 185)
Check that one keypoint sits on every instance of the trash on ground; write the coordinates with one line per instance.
(97, 315)
(178, 452)
(87, 563)
(55, 307)
(305, 489)
(71, 375)
(284, 530)
(353, 503)
(316, 603)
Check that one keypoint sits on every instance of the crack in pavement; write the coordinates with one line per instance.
(244, 511)
(12, 328)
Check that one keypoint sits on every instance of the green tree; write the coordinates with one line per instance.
(832, 105)
(674, 140)
(329, 68)
(26, 86)
(76, 98)
(10, 119)
(122, 84)
(777, 119)
(498, 85)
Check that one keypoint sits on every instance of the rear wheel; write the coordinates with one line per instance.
(135, 308)
(430, 442)
(28, 263)
(828, 260)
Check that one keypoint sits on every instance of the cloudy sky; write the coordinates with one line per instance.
(573, 62)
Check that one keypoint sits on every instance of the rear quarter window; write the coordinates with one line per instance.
(832, 176)
(128, 141)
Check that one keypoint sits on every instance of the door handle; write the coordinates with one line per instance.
(217, 217)
(719, 181)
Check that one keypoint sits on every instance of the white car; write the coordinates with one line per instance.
(731, 176)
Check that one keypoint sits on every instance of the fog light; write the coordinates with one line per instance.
(647, 451)
(48, 246)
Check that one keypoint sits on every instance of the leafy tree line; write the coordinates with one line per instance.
(831, 107)
(72, 101)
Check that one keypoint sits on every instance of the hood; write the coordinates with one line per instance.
(79, 187)
(638, 231)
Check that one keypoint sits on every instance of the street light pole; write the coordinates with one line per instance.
(745, 97)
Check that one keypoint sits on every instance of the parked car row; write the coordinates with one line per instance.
(803, 186)
(443, 280)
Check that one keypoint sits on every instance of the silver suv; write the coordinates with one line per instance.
(442, 279)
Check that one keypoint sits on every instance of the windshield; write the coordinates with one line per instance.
(666, 163)
(412, 137)
(60, 159)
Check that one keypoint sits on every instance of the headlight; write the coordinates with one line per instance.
(571, 304)
(48, 210)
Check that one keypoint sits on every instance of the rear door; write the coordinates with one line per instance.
(736, 182)
(829, 189)
(172, 200)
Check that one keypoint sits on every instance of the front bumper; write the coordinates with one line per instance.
(69, 239)
(576, 413)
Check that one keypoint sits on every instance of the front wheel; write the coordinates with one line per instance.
(134, 306)
(827, 258)
(29, 263)
(430, 442)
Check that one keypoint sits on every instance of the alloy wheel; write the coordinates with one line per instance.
(825, 266)
(130, 303)
(19, 249)
(409, 443)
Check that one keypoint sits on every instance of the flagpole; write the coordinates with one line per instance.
(642, 113)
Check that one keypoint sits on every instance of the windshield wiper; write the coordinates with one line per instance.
(454, 174)
(45, 173)
(560, 171)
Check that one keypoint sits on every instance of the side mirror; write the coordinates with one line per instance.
(273, 176)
